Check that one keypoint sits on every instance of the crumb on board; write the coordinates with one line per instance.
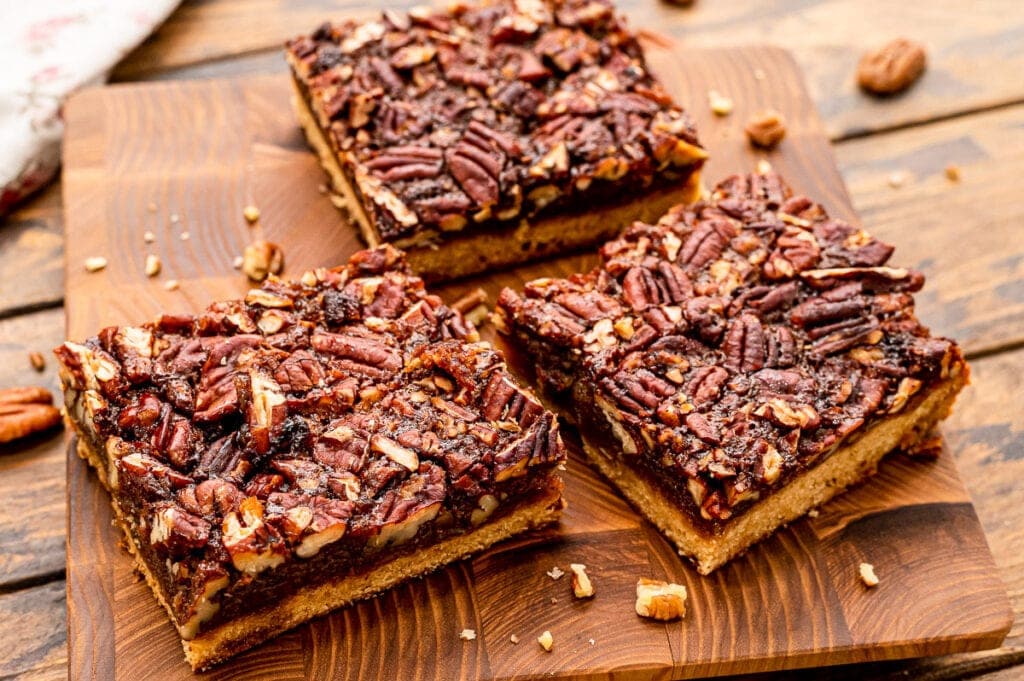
(555, 573)
(546, 641)
(37, 360)
(953, 172)
(514, 639)
(152, 265)
(467, 634)
(867, 575)
(897, 179)
(581, 584)
(720, 104)
(251, 213)
(95, 263)
(149, 237)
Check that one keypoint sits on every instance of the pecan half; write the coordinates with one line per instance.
(893, 67)
(25, 411)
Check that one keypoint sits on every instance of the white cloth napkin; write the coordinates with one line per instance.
(48, 49)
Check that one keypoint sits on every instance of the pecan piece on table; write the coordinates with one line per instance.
(766, 128)
(892, 67)
(24, 411)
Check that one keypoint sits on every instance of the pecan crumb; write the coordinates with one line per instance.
(514, 639)
(175, 218)
(581, 585)
(467, 634)
(813, 513)
(763, 167)
(555, 572)
(95, 263)
(152, 265)
(897, 179)
(591, 641)
(251, 214)
(891, 68)
(554, 601)
(953, 173)
(262, 258)
(766, 128)
(185, 236)
(238, 262)
(171, 285)
(546, 641)
(25, 411)
(867, 575)
(660, 600)
(149, 237)
(37, 360)
(720, 104)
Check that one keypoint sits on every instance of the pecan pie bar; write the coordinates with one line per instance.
(491, 134)
(738, 363)
(276, 457)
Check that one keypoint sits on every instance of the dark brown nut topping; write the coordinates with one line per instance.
(733, 343)
(892, 67)
(25, 411)
(766, 128)
(479, 114)
(366, 412)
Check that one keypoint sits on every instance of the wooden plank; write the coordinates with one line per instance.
(975, 60)
(34, 632)
(32, 517)
(792, 601)
(32, 254)
(964, 235)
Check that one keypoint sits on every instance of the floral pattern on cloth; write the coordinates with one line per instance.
(49, 49)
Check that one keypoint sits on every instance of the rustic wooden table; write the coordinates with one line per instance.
(968, 111)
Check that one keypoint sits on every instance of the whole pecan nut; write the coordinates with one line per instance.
(891, 68)
(24, 411)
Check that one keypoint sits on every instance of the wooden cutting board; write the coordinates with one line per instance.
(182, 159)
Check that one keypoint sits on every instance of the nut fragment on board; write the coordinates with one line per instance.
(37, 360)
(952, 172)
(262, 258)
(660, 600)
(514, 639)
(467, 634)
(555, 573)
(251, 214)
(152, 265)
(892, 68)
(95, 263)
(867, 575)
(581, 584)
(546, 641)
(25, 411)
(719, 103)
(766, 128)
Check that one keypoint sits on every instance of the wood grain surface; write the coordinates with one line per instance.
(207, 150)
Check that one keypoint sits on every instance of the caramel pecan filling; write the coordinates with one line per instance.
(734, 343)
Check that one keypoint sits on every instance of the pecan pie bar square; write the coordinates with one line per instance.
(738, 363)
(491, 134)
(276, 457)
